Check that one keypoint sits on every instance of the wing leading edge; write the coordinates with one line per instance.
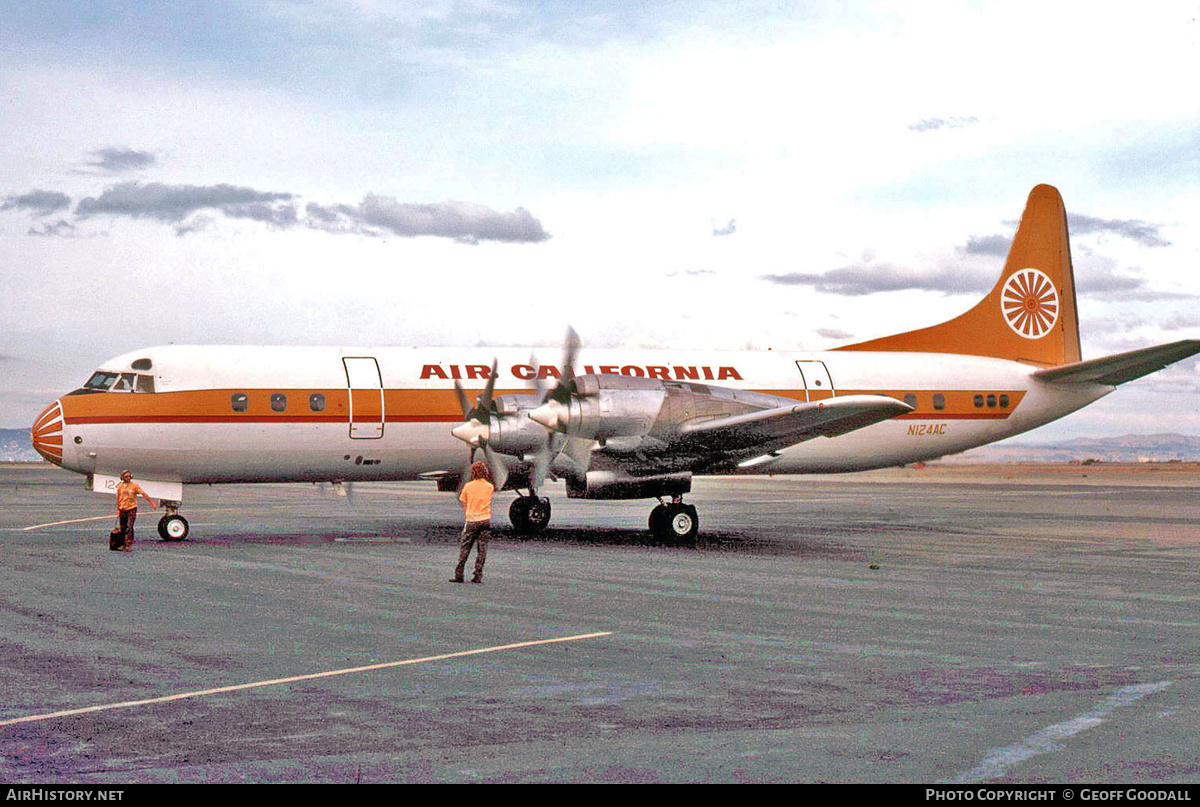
(773, 429)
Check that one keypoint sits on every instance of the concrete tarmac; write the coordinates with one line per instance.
(952, 624)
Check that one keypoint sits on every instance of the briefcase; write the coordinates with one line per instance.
(116, 540)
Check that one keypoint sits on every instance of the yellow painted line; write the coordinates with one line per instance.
(295, 678)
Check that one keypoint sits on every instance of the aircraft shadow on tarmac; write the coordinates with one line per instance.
(830, 543)
(757, 542)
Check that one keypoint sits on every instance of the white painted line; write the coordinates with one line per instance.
(999, 760)
(113, 516)
(70, 521)
(295, 678)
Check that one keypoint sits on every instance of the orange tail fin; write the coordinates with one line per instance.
(1029, 315)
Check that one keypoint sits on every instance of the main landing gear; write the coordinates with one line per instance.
(529, 514)
(172, 526)
(675, 522)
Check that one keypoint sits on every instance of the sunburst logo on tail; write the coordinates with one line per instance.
(1029, 303)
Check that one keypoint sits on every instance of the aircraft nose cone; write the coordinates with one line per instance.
(47, 433)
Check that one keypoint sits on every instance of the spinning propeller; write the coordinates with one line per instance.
(498, 426)
(475, 430)
(554, 409)
(554, 412)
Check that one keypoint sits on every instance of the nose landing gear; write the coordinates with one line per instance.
(172, 526)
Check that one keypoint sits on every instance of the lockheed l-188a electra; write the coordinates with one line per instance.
(633, 424)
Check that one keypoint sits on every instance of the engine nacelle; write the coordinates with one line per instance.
(607, 406)
(621, 485)
(510, 429)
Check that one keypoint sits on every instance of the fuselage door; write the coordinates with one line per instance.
(814, 376)
(366, 398)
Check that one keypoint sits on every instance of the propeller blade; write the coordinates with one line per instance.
(570, 347)
(539, 383)
(484, 401)
(475, 430)
(566, 381)
(464, 476)
(463, 403)
(545, 456)
(496, 465)
(570, 351)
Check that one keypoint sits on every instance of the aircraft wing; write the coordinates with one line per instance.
(772, 429)
(1121, 367)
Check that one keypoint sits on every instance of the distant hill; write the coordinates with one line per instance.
(16, 447)
(1129, 448)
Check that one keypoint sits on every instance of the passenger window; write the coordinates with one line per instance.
(978, 401)
(939, 401)
(991, 401)
(316, 402)
(1004, 401)
(911, 400)
(278, 402)
(240, 402)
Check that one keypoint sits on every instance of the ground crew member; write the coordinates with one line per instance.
(127, 493)
(476, 498)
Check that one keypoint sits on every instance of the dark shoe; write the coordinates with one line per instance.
(477, 580)
(457, 580)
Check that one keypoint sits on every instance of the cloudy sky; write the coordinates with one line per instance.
(699, 174)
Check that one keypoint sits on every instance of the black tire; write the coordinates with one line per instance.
(679, 524)
(657, 518)
(173, 528)
(518, 514)
(537, 514)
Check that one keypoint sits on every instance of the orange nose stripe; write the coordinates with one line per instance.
(47, 433)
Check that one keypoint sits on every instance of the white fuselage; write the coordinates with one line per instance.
(275, 414)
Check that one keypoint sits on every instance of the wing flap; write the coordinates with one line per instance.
(1121, 367)
(771, 429)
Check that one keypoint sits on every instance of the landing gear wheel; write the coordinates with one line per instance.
(173, 527)
(538, 513)
(518, 514)
(675, 523)
(529, 514)
(657, 516)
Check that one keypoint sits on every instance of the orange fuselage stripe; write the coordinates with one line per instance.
(412, 406)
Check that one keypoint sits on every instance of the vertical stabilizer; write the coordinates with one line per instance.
(1029, 315)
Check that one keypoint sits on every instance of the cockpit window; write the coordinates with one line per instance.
(104, 381)
(101, 380)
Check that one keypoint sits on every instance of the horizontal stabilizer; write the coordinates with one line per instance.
(786, 425)
(1121, 367)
